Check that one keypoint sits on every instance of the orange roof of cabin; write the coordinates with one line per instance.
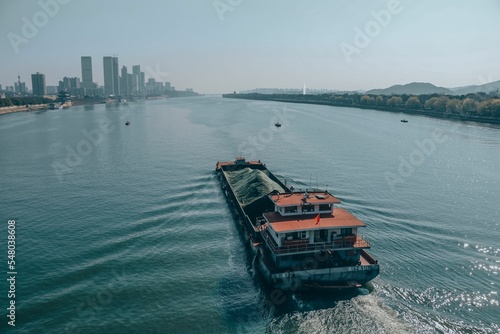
(340, 219)
(296, 199)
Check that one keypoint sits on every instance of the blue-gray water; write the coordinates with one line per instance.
(133, 235)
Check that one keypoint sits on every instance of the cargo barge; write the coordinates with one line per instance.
(301, 241)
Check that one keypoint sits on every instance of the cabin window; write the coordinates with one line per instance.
(308, 208)
(290, 209)
(320, 236)
(296, 235)
(346, 231)
(325, 207)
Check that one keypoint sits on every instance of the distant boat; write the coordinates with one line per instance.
(404, 121)
(127, 123)
(277, 124)
(55, 106)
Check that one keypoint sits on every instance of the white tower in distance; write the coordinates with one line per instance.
(304, 90)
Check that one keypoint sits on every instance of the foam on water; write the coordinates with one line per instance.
(364, 314)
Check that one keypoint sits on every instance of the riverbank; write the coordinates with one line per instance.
(441, 115)
(9, 110)
(78, 102)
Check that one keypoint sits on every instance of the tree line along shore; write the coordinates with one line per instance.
(23, 101)
(15, 104)
(479, 107)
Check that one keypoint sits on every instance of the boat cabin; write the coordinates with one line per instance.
(306, 222)
(299, 203)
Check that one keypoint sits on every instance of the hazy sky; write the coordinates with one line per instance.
(225, 45)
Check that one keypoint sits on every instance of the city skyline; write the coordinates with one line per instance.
(221, 46)
(116, 82)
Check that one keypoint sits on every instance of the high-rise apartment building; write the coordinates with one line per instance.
(111, 76)
(124, 82)
(139, 78)
(133, 79)
(87, 80)
(68, 84)
(38, 84)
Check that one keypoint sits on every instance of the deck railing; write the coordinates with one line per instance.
(348, 242)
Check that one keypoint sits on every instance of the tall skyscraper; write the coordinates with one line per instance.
(38, 84)
(124, 82)
(130, 83)
(136, 69)
(87, 81)
(111, 77)
(141, 82)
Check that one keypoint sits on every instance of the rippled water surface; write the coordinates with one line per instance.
(130, 232)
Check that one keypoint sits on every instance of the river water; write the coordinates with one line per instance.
(124, 229)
